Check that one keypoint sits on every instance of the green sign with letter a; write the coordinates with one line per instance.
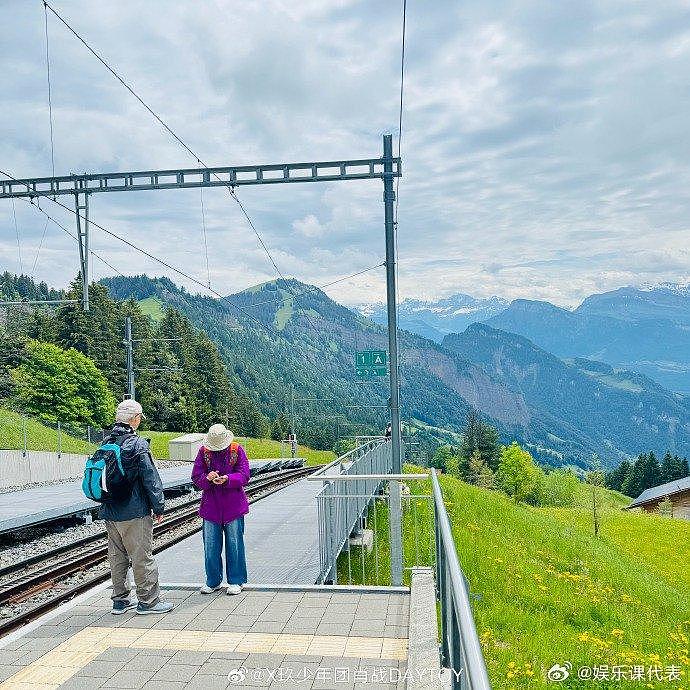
(370, 364)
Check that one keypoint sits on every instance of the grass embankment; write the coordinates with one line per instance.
(546, 590)
(38, 436)
(41, 437)
(255, 447)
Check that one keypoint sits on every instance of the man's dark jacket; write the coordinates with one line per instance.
(147, 489)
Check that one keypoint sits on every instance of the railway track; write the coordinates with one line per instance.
(52, 570)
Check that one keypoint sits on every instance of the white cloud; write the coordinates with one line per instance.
(309, 226)
(545, 148)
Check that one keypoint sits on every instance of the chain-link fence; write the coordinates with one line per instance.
(22, 432)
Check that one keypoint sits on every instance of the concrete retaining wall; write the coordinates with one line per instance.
(423, 661)
(38, 466)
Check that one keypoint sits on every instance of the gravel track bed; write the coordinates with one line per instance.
(44, 539)
(12, 610)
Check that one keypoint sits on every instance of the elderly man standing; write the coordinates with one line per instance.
(130, 522)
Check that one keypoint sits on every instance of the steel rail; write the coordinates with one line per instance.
(260, 489)
(84, 541)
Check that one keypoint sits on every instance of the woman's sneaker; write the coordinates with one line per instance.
(234, 589)
(120, 607)
(205, 589)
(160, 607)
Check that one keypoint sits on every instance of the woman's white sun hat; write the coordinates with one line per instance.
(218, 437)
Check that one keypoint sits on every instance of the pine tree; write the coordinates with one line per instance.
(280, 428)
(482, 438)
(652, 471)
(673, 468)
(616, 478)
(633, 484)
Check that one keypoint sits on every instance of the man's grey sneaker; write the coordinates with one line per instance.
(160, 607)
(205, 589)
(234, 589)
(120, 607)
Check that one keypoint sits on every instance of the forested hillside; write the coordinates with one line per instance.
(588, 402)
(52, 362)
(277, 334)
(200, 359)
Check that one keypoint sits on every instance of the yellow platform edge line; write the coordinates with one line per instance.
(58, 665)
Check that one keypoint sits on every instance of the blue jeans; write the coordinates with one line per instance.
(235, 561)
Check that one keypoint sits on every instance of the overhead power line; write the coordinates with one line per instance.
(153, 257)
(49, 218)
(203, 232)
(50, 97)
(19, 241)
(172, 133)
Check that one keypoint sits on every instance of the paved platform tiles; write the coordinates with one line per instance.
(268, 638)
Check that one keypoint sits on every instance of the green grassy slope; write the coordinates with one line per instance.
(547, 591)
(39, 437)
(153, 307)
(255, 447)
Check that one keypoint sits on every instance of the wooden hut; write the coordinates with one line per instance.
(676, 492)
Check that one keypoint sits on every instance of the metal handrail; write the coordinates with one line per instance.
(460, 642)
(338, 518)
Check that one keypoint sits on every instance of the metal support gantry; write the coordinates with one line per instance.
(384, 168)
(186, 178)
(81, 206)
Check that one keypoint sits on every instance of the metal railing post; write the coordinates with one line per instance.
(24, 437)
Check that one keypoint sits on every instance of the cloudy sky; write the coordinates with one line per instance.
(546, 145)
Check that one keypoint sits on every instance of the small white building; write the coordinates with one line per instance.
(185, 447)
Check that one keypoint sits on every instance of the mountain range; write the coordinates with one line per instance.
(642, 329)
(564, 409)
(434, 320)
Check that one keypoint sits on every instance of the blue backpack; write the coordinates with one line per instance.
(106, 478)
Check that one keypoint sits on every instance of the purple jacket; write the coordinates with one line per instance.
(222, 503)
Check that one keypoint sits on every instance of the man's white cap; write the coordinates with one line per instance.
(127, 410)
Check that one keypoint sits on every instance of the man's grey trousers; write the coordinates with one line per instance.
(132, 540)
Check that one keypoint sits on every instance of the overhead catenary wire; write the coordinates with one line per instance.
(49, 218)
(167, 265)
(153, 257)
(50, 95)
(40, 246)
(175, 136)
(19, 241)
(203, 232)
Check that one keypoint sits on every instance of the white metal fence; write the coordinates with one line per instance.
(339, 514)
(355, 515)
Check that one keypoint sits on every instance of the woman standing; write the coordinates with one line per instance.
(221, 470)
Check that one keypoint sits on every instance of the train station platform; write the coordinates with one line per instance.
(320, 637)
(29, 507)
(281, 536)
